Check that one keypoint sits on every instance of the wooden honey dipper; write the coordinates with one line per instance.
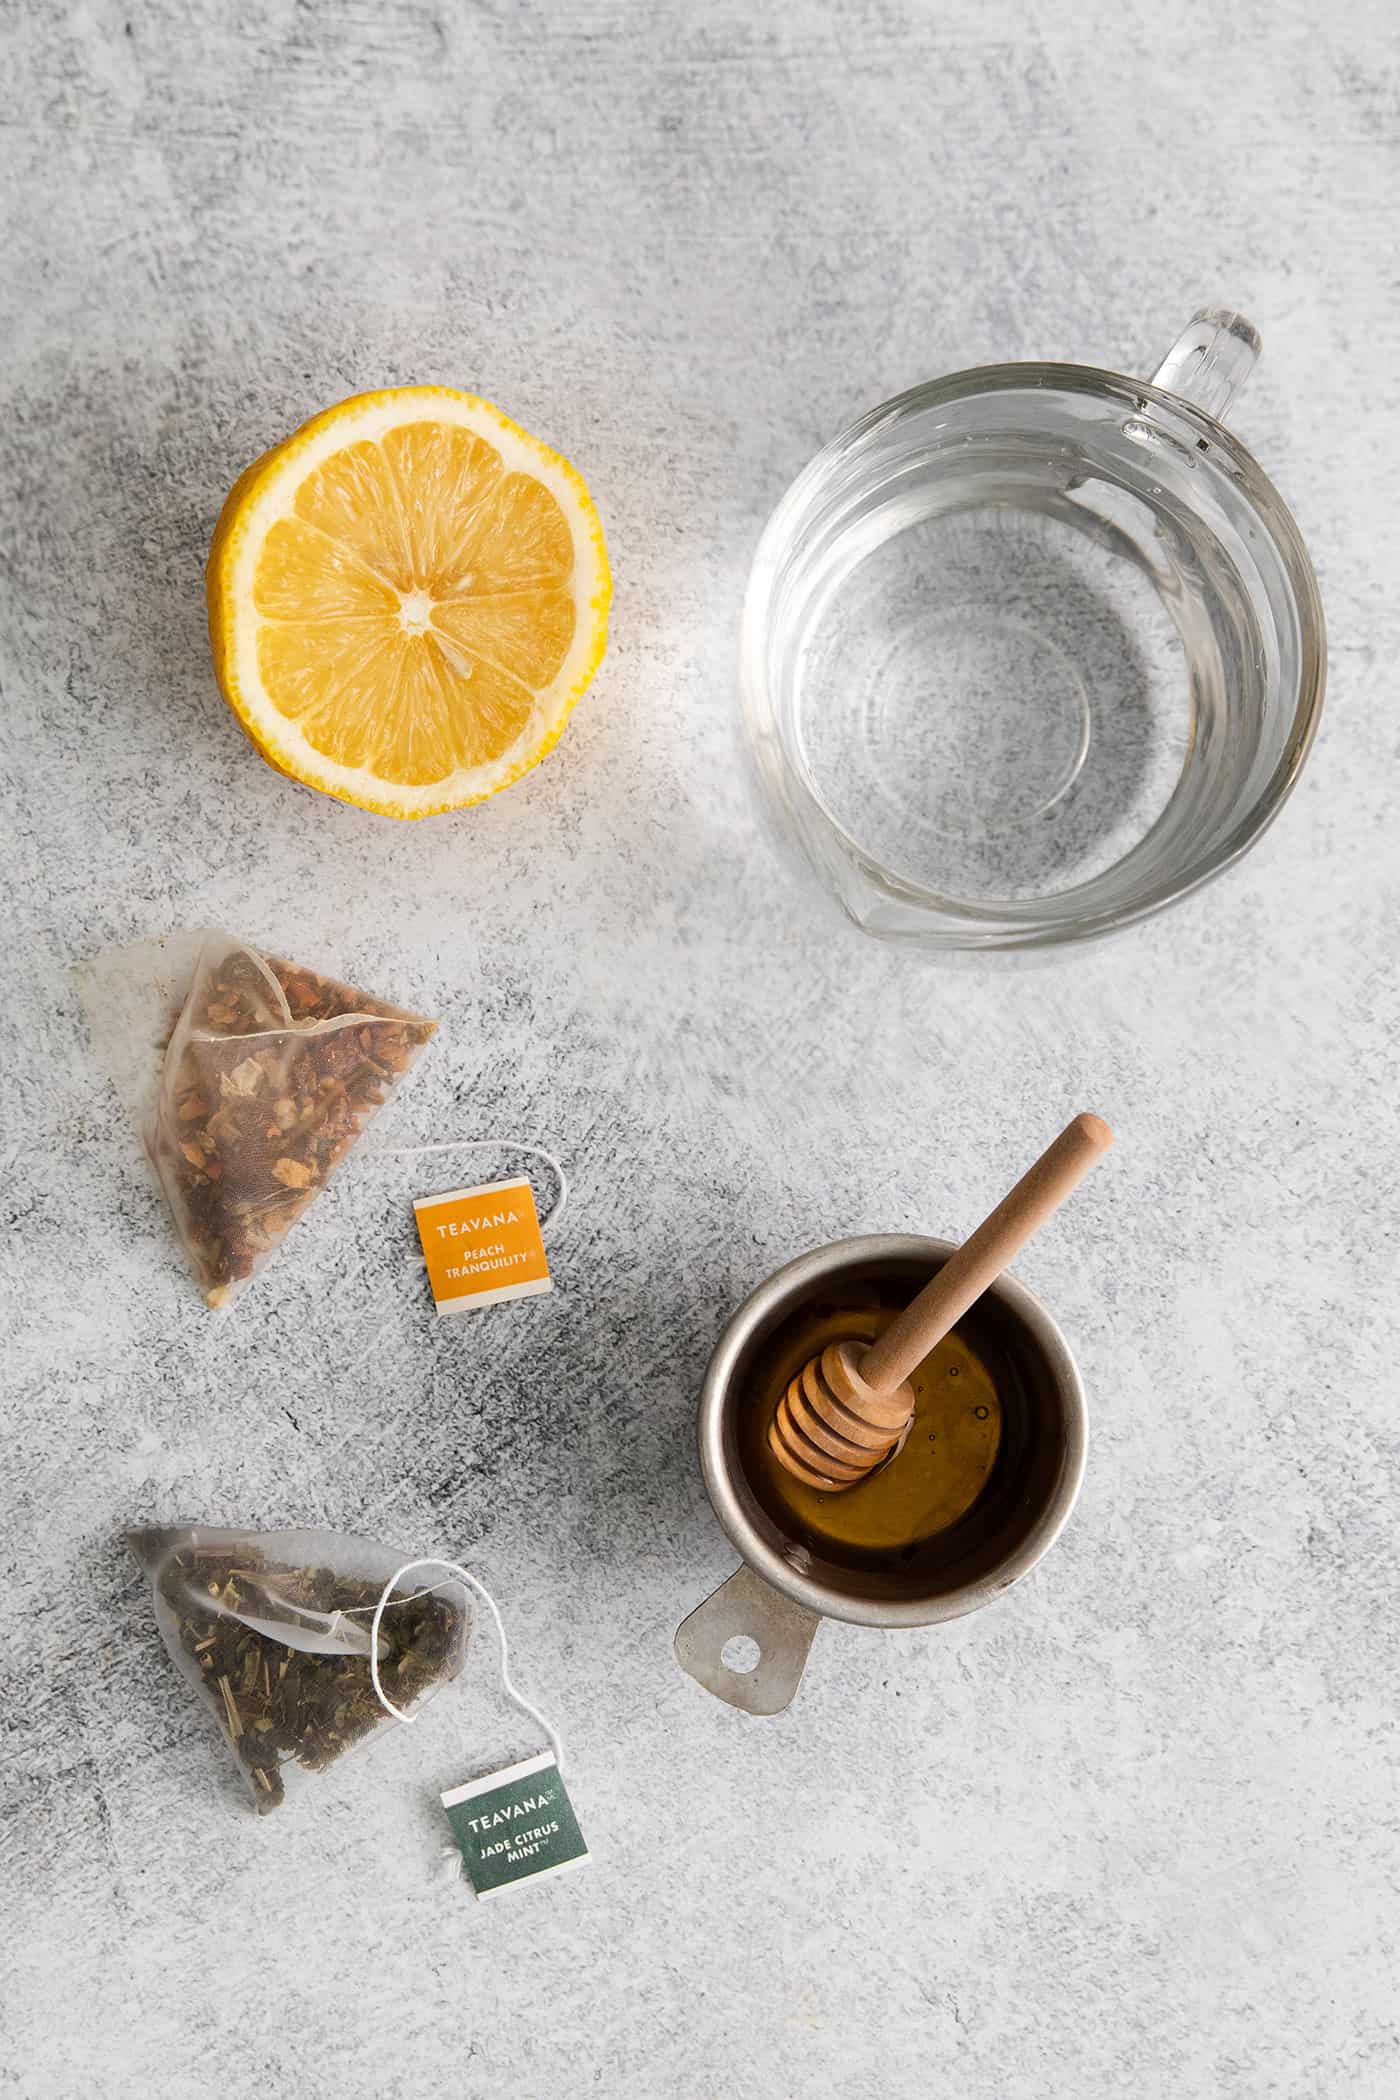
(847, 1409)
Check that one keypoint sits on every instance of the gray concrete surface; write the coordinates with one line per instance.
(1134, 1832)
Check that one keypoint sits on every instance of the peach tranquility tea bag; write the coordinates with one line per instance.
(251, 1078)
(482, 1245)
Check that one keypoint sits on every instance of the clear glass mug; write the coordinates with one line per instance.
(1033, 650)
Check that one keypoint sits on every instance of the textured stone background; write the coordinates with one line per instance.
(1135, 1831)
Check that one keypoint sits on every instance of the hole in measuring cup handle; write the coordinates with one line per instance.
(747, 1644)
(741, 1654)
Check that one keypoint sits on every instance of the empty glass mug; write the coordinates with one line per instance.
(1033, 650)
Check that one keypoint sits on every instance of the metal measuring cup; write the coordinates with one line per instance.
(784, 1590)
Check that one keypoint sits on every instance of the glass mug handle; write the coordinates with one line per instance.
(1210, 360)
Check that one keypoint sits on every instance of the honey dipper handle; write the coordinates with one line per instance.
(981, 1259)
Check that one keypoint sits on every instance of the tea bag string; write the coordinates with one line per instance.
(552, 1216)
(512, 1691)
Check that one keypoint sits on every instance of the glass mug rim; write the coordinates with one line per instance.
(952, 923)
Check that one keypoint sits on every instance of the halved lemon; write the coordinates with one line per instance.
(406, 598)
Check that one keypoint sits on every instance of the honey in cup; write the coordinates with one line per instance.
(937, 1480)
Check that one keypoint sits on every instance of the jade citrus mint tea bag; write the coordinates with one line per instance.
(301, 1644)
(251, 1077)
(514, 1824)
(272, 1630)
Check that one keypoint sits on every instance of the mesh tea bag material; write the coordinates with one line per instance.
(272, 1629)
(271, 1074)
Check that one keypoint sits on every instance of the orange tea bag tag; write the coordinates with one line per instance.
(482, 1245)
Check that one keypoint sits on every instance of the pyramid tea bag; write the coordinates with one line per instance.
(272, 1629)
(270, 1075)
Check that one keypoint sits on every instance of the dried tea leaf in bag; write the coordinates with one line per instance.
(272, 1629)
(271, 1075)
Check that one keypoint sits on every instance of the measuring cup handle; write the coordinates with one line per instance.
(748, 1607)
(1210, 360)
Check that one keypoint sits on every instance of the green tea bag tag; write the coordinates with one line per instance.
(510, 1826)
(517, 1825)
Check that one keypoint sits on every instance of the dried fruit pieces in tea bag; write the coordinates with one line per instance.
(273, 1631)
(271, 1075)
